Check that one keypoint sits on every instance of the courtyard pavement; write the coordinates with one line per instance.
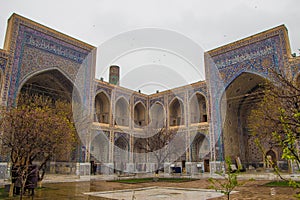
(58, 178)
(53, 178)
(91, 187)
(153, 193)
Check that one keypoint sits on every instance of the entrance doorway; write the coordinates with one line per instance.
(271, 160)
(206, 165)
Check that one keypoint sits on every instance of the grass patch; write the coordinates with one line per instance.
(279, 184)
(3, 194)
(148, 180)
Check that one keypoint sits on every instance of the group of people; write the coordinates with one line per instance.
(25, 179)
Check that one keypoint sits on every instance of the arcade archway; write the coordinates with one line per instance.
(100, 148)
(239, 98)
(122, 112)
(176, 111)
(55, 85)
(157, 116)
(200, 148)
(121, 153)
(102, 108)
(51, 83)
(139, 115)
(197, 109)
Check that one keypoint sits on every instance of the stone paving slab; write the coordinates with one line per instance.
(153, 193)
(58, 178)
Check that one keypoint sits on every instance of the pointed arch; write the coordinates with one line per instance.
(176, 112)
(157, 115)
(102, 108)
(198, 108)
(271, 159)
(140, 153)
(238, 99)
(56, 85)
(243, 72)
(200, 148)
(121, 153)
(122, 112)
(100, 148)
(50, 82)
(139, 115)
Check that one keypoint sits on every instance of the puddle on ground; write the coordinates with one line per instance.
(153, 193)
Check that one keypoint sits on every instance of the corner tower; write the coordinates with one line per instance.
(114, 75)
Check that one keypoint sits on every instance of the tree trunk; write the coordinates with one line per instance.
(40, 184)
(11, 190)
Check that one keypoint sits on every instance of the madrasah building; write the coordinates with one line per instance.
(38, 58)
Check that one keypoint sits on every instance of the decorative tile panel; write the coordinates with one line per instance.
(36, 48)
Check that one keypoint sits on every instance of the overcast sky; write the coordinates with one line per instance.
(210, 23)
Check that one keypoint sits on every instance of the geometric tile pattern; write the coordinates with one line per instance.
(36, 48)
(33, 48)
(256, 54)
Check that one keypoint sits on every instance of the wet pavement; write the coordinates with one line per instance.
(153, 193)
(70, 187)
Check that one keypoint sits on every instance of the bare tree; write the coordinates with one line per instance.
(38, 129)
(161, 146)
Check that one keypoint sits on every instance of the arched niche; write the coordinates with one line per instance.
(198, 112)
(102, 108)
(56, 86)
(238, 99)
(271, 159)
(100, 148)
(176, 113)
(200, 148)
(121, 153)
(139, 115)
(51, 83)
(122, 112)
(157, 116)
(140, 156)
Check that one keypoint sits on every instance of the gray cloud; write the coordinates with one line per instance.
(212, 23)
(209, 23)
